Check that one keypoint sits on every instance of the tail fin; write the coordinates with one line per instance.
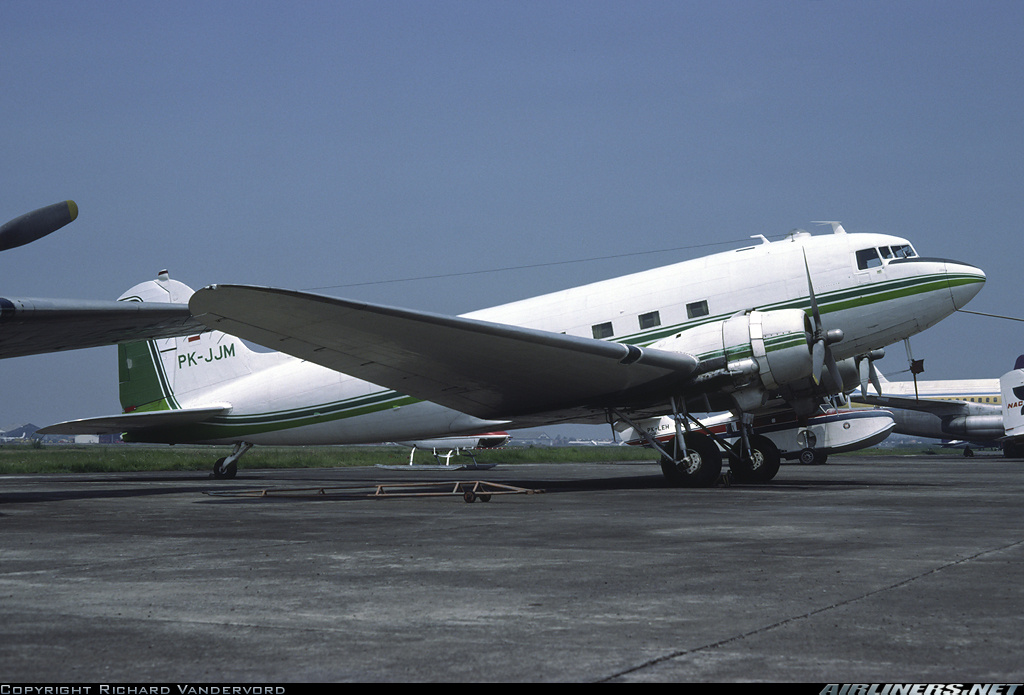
(1011, 387)
(174, 373)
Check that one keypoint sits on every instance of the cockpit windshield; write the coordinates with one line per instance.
(875, 257)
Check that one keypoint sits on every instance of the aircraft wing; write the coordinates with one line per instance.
(131, 422)
(33, 326)
(934, 406)
(484, 369)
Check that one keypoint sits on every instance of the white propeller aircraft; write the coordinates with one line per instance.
(775, 323)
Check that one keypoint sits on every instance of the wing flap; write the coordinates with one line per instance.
(485, 369)
(133, 422)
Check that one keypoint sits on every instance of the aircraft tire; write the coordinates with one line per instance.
(701, 468)
(1013, 450)
(762, 464)
(813, 457)
(220, 471)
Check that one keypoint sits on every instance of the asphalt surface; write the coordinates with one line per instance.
(867, 570)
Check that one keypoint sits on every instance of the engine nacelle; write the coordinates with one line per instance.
(977, 426)
(761, 351)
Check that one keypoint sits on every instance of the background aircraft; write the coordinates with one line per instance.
(32, 326)
(742, 331)
(464, 445)
(967, 411)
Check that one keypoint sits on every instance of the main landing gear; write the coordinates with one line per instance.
(227, 467)
(694, 458)
(701, 466)
(759, 463)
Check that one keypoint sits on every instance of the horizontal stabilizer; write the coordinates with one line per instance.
(485, 369)
(133, 422)
(34, 326)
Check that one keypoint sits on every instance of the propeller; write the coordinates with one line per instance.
(821, 355)
(36, 224)
(868, 373)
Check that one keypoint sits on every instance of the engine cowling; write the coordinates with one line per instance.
(761, 351)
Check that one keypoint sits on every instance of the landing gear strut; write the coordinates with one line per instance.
(227, 467)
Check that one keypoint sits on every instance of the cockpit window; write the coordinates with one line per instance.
(868, 258)
(872, 258)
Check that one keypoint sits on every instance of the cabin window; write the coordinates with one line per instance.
(603, 330)
(868, 258)
(886, 252)
(650, 320)
(905, 251)
(697, 309)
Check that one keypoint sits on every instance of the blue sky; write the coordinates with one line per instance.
(334, 145)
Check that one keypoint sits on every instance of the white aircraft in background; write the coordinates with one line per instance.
(456, 445)
(783, 324)
(30, 326)
(967, 411)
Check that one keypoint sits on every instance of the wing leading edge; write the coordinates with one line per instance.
(484, 369)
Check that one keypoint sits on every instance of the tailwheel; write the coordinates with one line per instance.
(760, 464)
(227, 467)
(225, 470)
(699, 468)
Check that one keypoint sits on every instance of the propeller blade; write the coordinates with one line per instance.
(865, 375)
(817, 360)
(868, 374)
(36, 224)
(814, 300)
(833, 370)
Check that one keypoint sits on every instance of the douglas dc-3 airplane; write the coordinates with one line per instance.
(775, 323)
(32, 326)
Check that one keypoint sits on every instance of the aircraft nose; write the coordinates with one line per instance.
(965, 281)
